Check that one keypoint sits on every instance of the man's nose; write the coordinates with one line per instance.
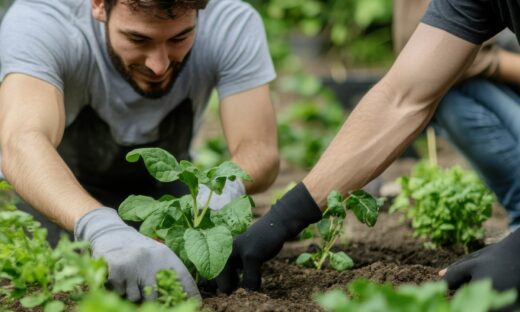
(158, 61)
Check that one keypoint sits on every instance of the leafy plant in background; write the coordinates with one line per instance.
(308, 127)
(357, 31)
(444, 206)
(369, 296)
(201, 237)
(330, 228)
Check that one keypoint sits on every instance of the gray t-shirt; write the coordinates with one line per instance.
(60, 42)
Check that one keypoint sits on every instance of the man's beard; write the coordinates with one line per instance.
(155, 90)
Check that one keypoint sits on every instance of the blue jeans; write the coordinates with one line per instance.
(482, 119)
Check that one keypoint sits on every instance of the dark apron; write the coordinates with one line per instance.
(99, 164)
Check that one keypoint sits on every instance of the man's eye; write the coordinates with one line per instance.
(177, 40)
(137, 40)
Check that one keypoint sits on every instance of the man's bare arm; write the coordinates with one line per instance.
(32, 121)
(508, 70)
(249, 125)
(392, 113)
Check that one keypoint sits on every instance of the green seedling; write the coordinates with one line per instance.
(36, 273)
(447, 207)
(369, 296)
(364, 206)
(201, 237)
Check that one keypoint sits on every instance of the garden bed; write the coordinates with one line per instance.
(385, 253)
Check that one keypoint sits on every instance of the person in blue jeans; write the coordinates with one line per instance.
(480, 117)
(476, 115)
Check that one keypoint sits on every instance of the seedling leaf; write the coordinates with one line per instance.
(236, 216)
(225, 171)
(335, 205)
(364, 206)
(340, 261)
(303, 258)
(159, 163)
(208, 249)
(138, 207)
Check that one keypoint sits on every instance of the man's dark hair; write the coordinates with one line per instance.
(160, 8)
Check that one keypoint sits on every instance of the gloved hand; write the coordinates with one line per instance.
(265, 238)
(500, 262)
(232, 190)
(133, 259)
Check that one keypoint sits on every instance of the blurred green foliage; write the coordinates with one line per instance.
(356, 31)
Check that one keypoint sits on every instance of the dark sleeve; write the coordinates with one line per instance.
(472, 20)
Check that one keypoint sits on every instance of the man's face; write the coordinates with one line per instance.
(149, 51)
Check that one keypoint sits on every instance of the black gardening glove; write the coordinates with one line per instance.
(500, 262)
(265, 238)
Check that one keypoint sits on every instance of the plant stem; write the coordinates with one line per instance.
(328, 245)
(198, 219)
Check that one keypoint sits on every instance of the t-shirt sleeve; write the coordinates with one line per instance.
(33, 42)
(243, 58)
(471, 20)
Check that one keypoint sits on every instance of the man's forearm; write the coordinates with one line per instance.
(260, 161)
(376, 132)
(508, 69)
(31, 163)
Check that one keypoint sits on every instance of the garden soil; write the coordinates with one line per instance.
(385, 253)
(388, 252)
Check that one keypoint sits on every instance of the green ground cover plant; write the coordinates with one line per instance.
(35, 273)
(201, 237)
(445, 206)
(364, 206)
(368, 296)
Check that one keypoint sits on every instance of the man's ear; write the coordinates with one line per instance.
(98, 10)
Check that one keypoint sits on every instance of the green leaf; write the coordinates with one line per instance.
(340, 261)
(150, 224)
(175, 240)
(159, 163)
(335, 205)
(334, 300)
(34, 300)
(324, 228)
(479, 296)
(54, 306)
(138, 208)
(364, 206)
(303, 258)
(208, 249)
(219, 175)
(236, 215)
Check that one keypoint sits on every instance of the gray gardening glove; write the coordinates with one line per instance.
(232, 190)
(133, 259)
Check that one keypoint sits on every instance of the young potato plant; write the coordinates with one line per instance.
(444, 206)
(201, 237)
(364, 206)
(369, 296)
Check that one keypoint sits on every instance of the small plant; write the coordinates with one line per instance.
(201, 237)
(445, 206)
(35, 273)
(329, 229)
(368, 296)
